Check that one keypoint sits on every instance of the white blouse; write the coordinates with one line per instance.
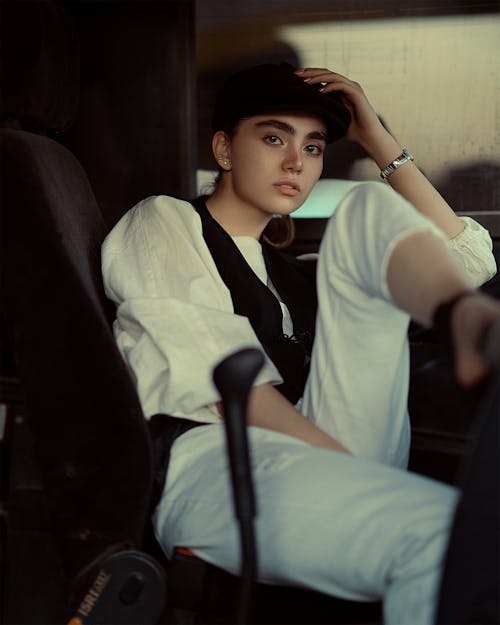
(175, 319)
(473, 249)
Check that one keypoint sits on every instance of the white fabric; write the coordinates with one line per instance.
(473, 250)
(344, 525)
(174, 309)
(358, 386)
(175, 319)
(348, 527)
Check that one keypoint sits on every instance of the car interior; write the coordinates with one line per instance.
(81, 112)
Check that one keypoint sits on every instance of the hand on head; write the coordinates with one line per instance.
(365, 120)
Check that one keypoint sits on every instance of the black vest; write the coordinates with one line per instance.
(293, 279)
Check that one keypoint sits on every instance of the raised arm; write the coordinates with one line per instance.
(422, 275)
(367, 130)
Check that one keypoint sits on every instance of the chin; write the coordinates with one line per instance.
(289, 206)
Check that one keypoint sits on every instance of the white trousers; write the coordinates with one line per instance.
(351, 526)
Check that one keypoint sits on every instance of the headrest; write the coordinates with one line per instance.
(39, 75)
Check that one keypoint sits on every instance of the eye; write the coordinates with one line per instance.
(272, 139)
(314, 150)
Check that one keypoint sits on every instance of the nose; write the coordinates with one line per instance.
(293, 159)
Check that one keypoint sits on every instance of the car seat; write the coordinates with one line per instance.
(76, 510)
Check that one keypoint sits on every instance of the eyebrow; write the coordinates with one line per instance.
(276, 123)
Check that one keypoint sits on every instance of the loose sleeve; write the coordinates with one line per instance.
(175, 320)
(473, 248)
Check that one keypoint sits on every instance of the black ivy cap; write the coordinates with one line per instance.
(275, 88)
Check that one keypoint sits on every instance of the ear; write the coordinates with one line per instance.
(221, 147)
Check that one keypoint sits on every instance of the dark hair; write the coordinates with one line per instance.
(280, 231)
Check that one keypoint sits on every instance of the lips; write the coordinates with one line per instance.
(287, 187)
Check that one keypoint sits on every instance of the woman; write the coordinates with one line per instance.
(194, 282)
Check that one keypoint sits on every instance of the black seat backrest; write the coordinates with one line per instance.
(90, 435)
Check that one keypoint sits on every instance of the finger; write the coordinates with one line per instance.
(331, 81)
(348, 93)
(338, 85)
(325, 77)
(313, 71)
(315, 75)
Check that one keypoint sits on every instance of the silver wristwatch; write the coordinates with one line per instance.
(397, 162)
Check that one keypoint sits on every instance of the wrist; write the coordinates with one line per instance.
(381, 146)
(442, 318)
(402, 159)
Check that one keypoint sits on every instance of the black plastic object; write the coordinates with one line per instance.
(470, 586)
(128, 588)
(234, 377)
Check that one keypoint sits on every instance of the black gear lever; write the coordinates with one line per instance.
(234, 378)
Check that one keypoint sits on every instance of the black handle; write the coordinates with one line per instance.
(234, 378)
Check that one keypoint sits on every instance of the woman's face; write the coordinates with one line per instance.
(276, 160)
